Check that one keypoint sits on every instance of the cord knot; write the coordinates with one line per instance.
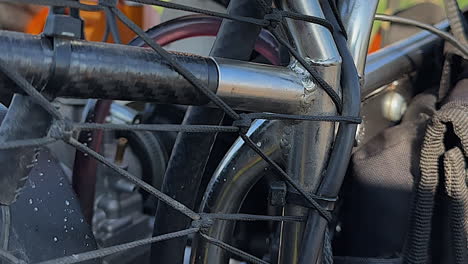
(274, 17)
(204, 223)
(243, 123)
(61, 129)
(108, 3)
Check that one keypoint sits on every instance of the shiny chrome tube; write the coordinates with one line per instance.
(251, 86)
(401, 58)
(358, 17)
(381, 69)
(309, 142)
(80, 69)
(237, 173)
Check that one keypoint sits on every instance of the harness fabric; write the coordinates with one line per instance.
(443, 176)
(414, 173)
(378, 194)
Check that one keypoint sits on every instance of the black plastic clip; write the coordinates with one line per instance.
(60, 25)
(280, 195)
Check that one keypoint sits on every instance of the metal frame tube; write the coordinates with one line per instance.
(316, 227)
(246, 85)
(33, 56)
(234, 41)
(358, 17)
(95, 70)
(310, 143)
(225, 184)
(240, 169)
(402, 58)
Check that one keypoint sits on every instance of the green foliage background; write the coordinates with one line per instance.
(384, 7)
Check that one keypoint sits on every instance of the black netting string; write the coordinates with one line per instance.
(29, 143)
(336, 13)
(250, 20)
(62, 130)
(111, 23)
(58, 3)
(102, 252)
(319, 118)
(158, 127)
(251, 218)
(220, 103)
(140, 183)
(286, 177)
(175, 64)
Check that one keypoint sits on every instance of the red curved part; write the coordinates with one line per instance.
(85, 167)
(200, 26)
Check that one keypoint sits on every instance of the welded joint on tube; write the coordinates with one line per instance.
(310, 86)
(307, 82)
(329, 62)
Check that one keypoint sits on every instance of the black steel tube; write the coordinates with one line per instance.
(191, 151)
(105, 71)
(182, 181)
(312, 243)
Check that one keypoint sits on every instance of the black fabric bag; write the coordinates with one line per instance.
(379, 190)
(383, 190)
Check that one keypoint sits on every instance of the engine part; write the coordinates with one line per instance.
(118, 209)
(120, 114)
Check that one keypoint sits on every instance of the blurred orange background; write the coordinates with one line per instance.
(94, 22)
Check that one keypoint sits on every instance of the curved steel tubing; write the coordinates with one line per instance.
(306, 144)
(238, 172)
(310, 142)
(381, 69)
(357, 17)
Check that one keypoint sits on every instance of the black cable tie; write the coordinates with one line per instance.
(60, 66)
(296, 198)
